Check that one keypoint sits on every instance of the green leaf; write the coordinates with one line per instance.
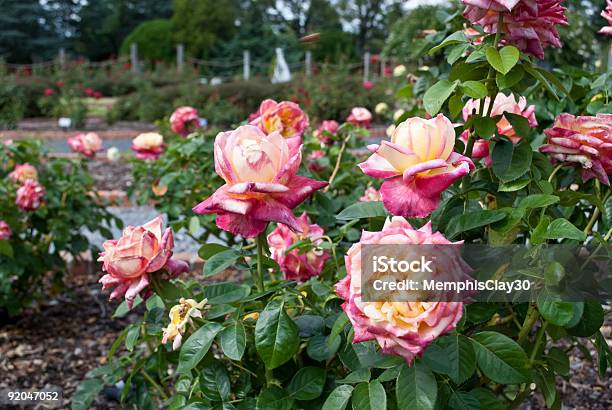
(194, 225)
(85, 393)
(485, 126)
(520, 124)
(318, 349)
(460, 356)
(196, 346)
(307, 383)
(538, 201)
(226, 292)
(209, 249)
(511, 161)
(545, 380)
(358, 376)
(474, 89)
(274, 398)
(416, 387)
(553, 309)
(455, 38)
(512, 78)
(461, 400)
(503, 60)
(276, 335)
(215, 382)
(341, 321)
(558, 361)
(233, 340)
(561, 228)
(361, 210)
(538, 236)
(338, 399)
(455, 105)
(501, 359)
(6, 249)
(437, 94)
(487, 399)
(472, 220)
(369, 396)
(591, 321)
(219, 262)
(131, 337)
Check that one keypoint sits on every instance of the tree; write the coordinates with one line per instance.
(154, 40)
(200, 24)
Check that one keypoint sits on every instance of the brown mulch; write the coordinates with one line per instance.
(111, 176)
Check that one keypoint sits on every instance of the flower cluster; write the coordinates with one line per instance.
(295, 264)
(529, 25)
(583, 141)
(148, 146)
(184, 120)
(140, 251)
(87, 144)
(400, 328)
(417, 165)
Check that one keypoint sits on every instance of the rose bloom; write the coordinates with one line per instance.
(5, 231)
(417, 165)
(140, 251)
(184, 120)
(261, 184)
(501, 104)
(30, 195)
(148, 146)
(326, 130)
(296, 264)
(180, 316)
(401, 328)
(607, 14)
(360, 116)
(368, 85)
(312, 161)
(399, 70)
(582, 141)
(49, 92)
(285, 117)
(381, 108)
(371, 194)
(529, 25)
(113, 154)
(22, 173)
(86, 143)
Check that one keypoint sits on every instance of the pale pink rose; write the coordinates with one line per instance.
(312, 163)
(503, 103)
(285, 117)
(140, 251)
(529, 25)
(184, 120)
(5, 231)
(371, 194)
(582, 141)
(148, 146)
(261, 184)
(417, 165)
(607, 14)
(295, 264)
(30, 195)
(22, 173)
(401, 328)
(360, 116)
(86, 143)
(326, 130)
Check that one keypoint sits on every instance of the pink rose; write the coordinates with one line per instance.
(501, 105)
(86, 143)
(140, 250)
(527, 24)
(5, 231)
(49, 92)
(607, 14)
(401, 328)
(312, 158)
(148, 146)
(360, 116)
(261, 182)
(326, 130)
(285, 117)
(30, 195)
(371, 194)
(368, 85)
(417, 165)
(22, 173)
(295, 264)
(582, 141)
(184, 120)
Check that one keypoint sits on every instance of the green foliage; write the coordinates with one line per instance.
(154, 40)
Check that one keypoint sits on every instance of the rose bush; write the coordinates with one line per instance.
(294, 331)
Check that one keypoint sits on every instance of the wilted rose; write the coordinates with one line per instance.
(261, 184)
(180, 316)
(140, 251)
(296, 264)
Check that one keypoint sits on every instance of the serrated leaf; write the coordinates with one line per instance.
(437, 94)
